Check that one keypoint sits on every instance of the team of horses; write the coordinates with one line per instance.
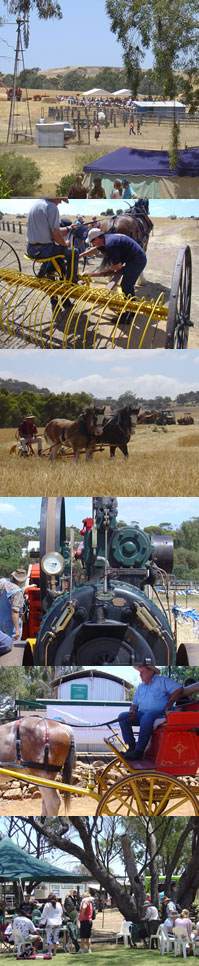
(95, 426)
(40, 747)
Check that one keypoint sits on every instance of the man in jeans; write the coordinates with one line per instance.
(152, 699)
(45, 237)
(122, 254)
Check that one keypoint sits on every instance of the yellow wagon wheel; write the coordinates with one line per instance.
(105, 778)
(147, 793)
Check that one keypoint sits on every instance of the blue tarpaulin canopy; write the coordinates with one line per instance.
(127, 161)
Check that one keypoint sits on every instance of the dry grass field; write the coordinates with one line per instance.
(161, 463)
(54, 163)
(168, 236)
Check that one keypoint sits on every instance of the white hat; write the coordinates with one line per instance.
(94, 233)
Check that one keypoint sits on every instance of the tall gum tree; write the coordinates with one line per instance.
(174, 40)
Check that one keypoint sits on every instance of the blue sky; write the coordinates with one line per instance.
(18, 512)
(159, 208)
(145, 373)
(83, 36)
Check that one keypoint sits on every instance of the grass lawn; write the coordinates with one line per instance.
(107, 957)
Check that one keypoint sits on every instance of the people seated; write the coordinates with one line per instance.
(184, 920)
(153, 698)
(24, 925)
(28, 434)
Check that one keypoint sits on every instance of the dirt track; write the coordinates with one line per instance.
(168, 236)
(80, 806)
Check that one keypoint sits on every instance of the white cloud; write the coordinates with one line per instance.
(9, 508)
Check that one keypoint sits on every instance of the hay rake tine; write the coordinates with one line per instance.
(87, 298)
(88, 320)
(154, 307)
(134, 321)
(77, 322)
(123, 309)
(69, 321)
(104, 307)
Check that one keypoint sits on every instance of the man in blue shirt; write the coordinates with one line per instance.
(152, 699)
(122, 253)
(128, 191)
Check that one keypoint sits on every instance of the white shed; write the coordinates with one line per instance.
(89, 698)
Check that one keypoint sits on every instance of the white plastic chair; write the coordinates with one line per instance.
(156, 935)
(195, 944)
(164, 941)
(125, 932)
(181, 943)
(19, 941)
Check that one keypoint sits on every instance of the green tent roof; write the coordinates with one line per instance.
(16, 863)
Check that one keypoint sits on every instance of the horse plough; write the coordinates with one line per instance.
(165, 781)
(34, 311)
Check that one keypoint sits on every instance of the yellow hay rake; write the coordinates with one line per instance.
(35, 310)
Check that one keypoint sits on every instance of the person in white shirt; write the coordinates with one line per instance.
(52, 915)
(27, 928)
(151, 917)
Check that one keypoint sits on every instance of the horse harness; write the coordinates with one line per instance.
(45, 765)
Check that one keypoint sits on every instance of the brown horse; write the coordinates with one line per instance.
(135, 223)
(78, 433)
(40, 747)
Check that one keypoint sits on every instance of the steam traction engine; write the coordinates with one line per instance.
(108, 618)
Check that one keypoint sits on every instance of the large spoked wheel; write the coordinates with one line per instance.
(8, 256)
(178, 319)
(147, 793)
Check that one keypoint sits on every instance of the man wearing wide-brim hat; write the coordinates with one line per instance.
(11, 604)
(27, 433)
(153, 698)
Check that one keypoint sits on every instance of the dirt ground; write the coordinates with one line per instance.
(168, 236)
(79, 806)
(54, 163)
(142, 475)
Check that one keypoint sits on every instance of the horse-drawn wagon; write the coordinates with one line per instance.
(35, 309)
(165, 781)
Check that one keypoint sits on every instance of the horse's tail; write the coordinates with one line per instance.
(69, 765)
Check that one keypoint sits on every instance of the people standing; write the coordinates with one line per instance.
(85, 919)
(122, 253)
(52, 915)
(11, 604)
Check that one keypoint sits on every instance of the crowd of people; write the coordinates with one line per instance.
(169, 915)
(121, 189)
(42, 923)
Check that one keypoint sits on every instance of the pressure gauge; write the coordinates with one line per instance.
(53, 563)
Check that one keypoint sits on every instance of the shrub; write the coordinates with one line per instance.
(65, 183)
(21, 175)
